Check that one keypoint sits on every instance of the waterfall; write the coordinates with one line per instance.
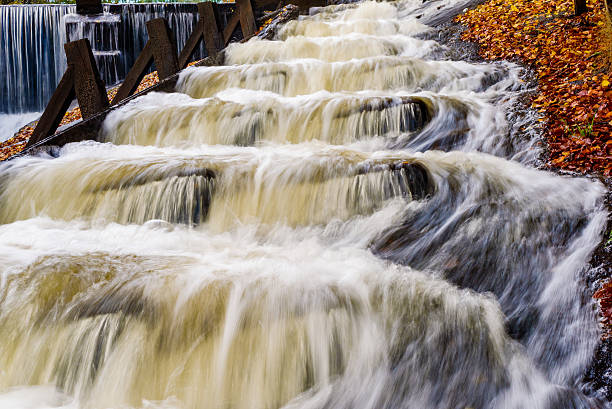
(32, 41)
(344, 217)
(32, 38)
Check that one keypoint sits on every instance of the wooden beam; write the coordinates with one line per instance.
(247, 19)
(229, 29)
(191, 44)
(89, 88)
(209, 15)
(56, 108)
(163, 48)
(82, 80)
(160, 49)
(136, 74)
(207, 30)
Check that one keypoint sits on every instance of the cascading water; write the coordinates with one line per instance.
(32, 38)
(320, 225)
(119, 35)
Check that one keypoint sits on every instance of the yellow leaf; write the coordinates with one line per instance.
(605, 83)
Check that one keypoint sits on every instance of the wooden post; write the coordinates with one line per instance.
(244, 16)
(164, 48)
(209, 16)
(207, 29)
(161, 49)
(89, 7)
(82, 80)
(247, 20)
(55, 110)
(89, 88)
(230, 27)
(580, 7)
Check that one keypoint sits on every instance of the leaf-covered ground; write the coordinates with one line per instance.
(571, 56)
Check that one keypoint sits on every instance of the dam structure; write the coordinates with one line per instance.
(32, 41)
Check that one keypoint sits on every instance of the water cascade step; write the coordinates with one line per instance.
(264, 116)
(339, 217)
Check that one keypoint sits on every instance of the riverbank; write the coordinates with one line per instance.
(572, 58)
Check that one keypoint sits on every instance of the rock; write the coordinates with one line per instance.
(276, 20)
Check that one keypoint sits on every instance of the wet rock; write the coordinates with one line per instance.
(277, 19)
(413, 178)
(417, 112)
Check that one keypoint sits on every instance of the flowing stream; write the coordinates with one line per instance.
(343, 217)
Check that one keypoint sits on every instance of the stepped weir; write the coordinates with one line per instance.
(343, 216)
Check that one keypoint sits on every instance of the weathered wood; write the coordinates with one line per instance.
(88, 86)
(136, 74)
(229, 29)
(247, 19)
(206, 30)
(580, 7)
(160, 49)
(90, 129)
(163, 48)
(82, 80)
(191, 44)
(209, 14)
(89, 7)
(55, 110)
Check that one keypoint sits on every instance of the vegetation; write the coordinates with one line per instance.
(571, 57)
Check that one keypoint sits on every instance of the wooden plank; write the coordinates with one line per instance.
(192, 43)
(210, 22)
(136, 74)
(229, 29)
(247, 19)
(56, 109)
(89, 88)
(207, 29)
(163, 48)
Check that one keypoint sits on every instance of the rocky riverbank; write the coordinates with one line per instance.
(571, 58)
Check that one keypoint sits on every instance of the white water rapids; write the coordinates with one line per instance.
(341, 218)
